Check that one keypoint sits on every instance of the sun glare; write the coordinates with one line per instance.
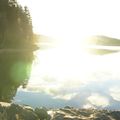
(63, 64)
(69, 22)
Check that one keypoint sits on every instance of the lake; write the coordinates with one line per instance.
(71, 77)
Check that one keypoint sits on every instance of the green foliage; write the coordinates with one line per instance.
(15, 71)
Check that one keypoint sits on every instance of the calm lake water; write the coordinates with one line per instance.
(62, 77)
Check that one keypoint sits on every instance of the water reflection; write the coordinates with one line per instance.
(74, 79)
(14, 71)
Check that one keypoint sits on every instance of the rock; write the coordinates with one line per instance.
(58, 116)
(68, 107)
(3, 115)
(28, 108)
(115, 115)
(21, 113)
(16, 112)
(10, 111)
(42, 113)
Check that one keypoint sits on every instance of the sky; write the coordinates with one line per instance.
(75, 18)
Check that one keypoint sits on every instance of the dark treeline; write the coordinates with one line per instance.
(16, 48)
(15, 25)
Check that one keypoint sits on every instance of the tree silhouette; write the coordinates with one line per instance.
(16, 48)
(15, 26)
(15, 71)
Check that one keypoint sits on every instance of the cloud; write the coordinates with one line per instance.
(115, 93)
(98, 100)
(71, 80)
(56, 91)
(68, 96)
(87, 106)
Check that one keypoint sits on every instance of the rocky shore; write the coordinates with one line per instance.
(21, 112)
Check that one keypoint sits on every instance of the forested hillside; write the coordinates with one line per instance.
(15, 25)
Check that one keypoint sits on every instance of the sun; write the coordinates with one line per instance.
(62, 63)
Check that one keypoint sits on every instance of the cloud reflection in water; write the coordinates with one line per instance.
(77, 79)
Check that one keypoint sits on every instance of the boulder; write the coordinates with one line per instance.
(42, 113)
(16, 112)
